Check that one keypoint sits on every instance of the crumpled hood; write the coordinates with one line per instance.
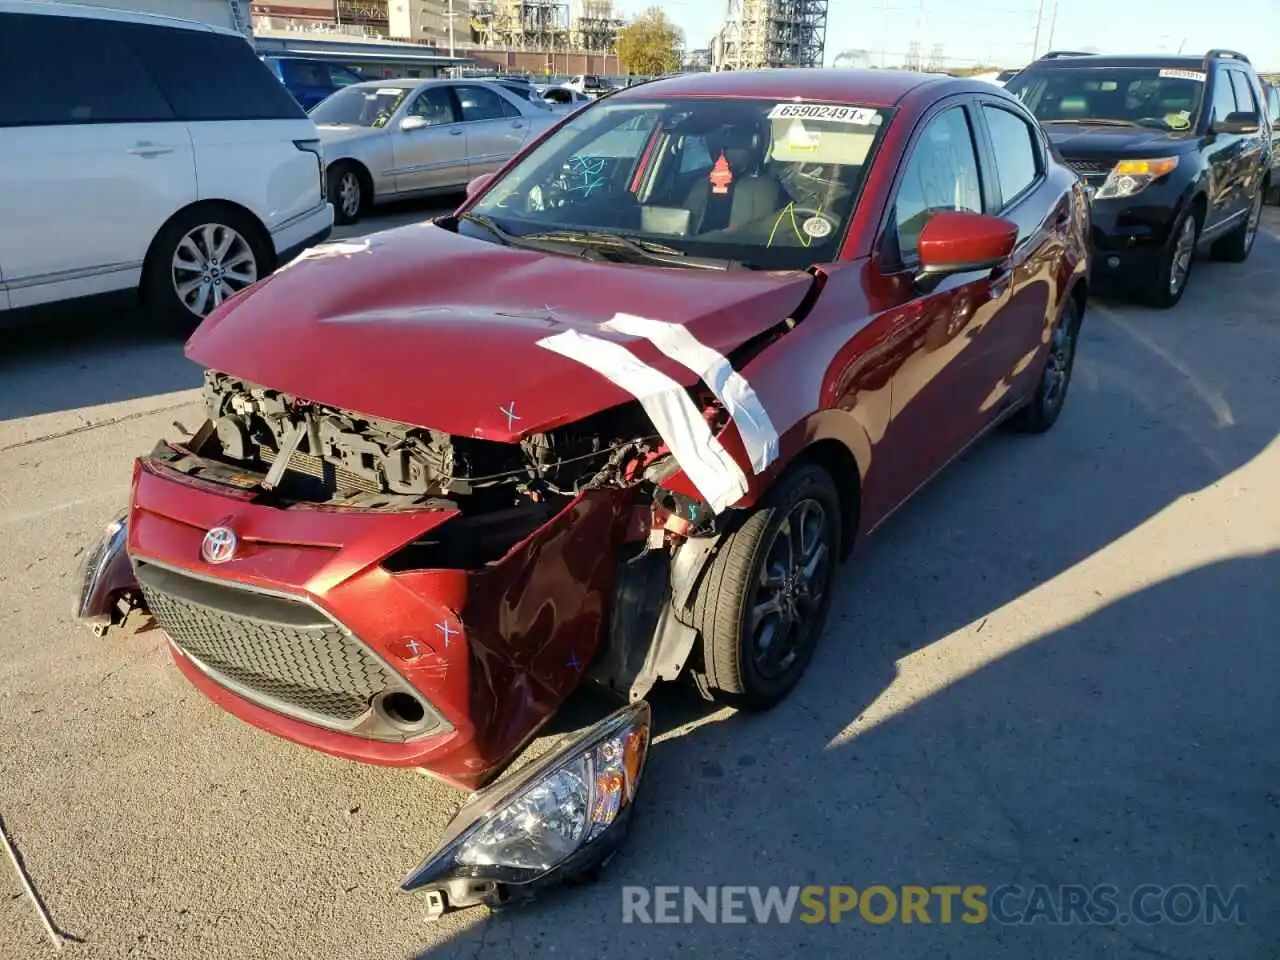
(424, 326)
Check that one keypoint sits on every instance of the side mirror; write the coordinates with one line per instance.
(1240, 122)
(412, 123)
(478, 184)
(956, 241)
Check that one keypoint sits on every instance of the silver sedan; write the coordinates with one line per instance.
(391, 139)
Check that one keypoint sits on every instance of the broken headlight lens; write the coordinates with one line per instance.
(558, 818)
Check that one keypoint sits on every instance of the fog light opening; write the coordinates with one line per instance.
(402, 710)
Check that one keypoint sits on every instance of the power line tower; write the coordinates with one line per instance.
(773, 33)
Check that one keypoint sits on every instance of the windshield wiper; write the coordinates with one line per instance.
(488, 224)
(547, 243)
(1097, 123)
(638, 247)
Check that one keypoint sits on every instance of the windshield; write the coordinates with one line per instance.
(1160, 97)
(359, 106)
(769, 185)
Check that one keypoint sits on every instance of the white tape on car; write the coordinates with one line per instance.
(678, 421)
(729, 386)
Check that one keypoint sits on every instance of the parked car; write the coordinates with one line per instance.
(1175, 153)
(391, 139)
(311, 81)
(566, 99)
(589, 84)
(618, 419)
(159, 155)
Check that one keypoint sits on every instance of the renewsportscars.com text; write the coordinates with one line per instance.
(940, 903)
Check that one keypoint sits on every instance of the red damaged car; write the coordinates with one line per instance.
(616, 420)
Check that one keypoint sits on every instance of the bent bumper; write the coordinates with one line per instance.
(305, 633)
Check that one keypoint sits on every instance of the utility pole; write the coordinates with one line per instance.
(450, 15)
(1035, 45)
(1053, 22)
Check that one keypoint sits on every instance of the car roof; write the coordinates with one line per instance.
(93, 12)
(1086, 60)
(880, 88)
(405, 83)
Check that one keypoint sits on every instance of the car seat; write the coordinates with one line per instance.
(751, 194)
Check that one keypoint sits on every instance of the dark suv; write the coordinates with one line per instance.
(1175, 152)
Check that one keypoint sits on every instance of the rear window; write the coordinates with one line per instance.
(210, 76)
(63, 70)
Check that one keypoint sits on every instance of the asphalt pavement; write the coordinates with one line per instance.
(1057, 666)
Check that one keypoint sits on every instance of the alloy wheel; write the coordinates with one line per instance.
(788, 600)
(1183, 250)
(1062, 353)
(349, 193)
(1255, 218)
(211, 263)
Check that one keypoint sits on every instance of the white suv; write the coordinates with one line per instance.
(143, 152)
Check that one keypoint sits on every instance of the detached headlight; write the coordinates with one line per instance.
(1128, 177)
(559, 819)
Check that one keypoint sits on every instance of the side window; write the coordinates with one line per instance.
(1016, 149)
(97, 78)
(342, 77)
(435, 105)
(1245, 100)
(1224, 99)
(941, 174)
(481, 104)
(695, 155)
(210, 76)
(1273, 101)
(306, 73)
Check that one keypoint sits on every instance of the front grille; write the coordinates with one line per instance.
(1090, 168)
(281, 653)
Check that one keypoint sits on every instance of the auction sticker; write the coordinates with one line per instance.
(1184, 75)
(817, 227)
(858, 116)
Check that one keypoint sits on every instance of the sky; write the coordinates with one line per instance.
(1001, 32)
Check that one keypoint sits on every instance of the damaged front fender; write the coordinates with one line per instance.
(108, 589)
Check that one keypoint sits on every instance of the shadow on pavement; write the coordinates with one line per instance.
(1132, 747)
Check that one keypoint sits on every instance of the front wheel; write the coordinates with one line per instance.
(347, 193)
(764, 601)
(1174, 269)
(1042, 412)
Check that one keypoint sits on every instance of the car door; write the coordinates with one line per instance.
(1014, 158)
(1250, 159)
(496, 128)
(1222, 154)
(432, 156)
(942, 377)
(92, 163)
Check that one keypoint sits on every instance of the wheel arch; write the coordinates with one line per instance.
(839, 462)
(362, 171)
(148, 261)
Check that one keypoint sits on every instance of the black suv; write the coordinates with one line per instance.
(1175, 152)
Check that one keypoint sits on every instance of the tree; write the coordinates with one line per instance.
(650, 44)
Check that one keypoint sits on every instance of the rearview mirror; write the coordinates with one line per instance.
(478, 184)
(956, 241)
(1242, 121)
(412, 123)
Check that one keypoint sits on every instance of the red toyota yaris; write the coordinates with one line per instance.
(615, 420)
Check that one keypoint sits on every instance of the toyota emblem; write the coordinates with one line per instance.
(219, 545)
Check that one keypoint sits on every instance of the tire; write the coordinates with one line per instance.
(183, 281)
(1236, 246)
(349, 192)
(737, 670)
(1166, 288)
(1273, 194)
(1042, 412)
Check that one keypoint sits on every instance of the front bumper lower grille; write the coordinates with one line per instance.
(283, 654)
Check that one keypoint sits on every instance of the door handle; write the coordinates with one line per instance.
(517, 125)
(455, 132)
(149, 150)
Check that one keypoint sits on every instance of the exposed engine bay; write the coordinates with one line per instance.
(318, 453)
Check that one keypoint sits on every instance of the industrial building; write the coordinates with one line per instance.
(771, 33)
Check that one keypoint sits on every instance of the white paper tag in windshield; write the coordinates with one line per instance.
(1184, 75)
(858, 116)
(388, 92)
